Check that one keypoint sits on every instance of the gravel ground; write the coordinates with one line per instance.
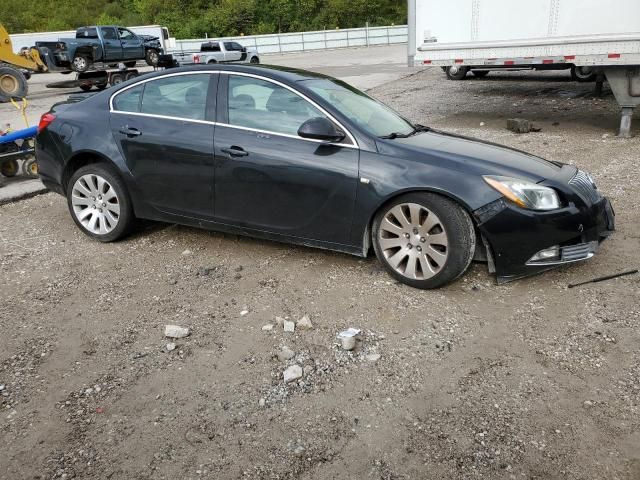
(475, 380)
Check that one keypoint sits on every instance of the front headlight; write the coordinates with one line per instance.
(525, 194)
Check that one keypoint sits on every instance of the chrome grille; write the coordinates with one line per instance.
(583, 186)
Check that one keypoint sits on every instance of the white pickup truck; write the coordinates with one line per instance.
(218, 52)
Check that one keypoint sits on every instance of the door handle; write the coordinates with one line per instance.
(235, 151)
(130, 131)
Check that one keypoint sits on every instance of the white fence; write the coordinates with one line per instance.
(305, 41)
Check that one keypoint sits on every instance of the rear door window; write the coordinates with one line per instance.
(181, 96)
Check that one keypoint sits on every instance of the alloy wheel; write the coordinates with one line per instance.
(80, 64)
(95, 204)
(413, 241)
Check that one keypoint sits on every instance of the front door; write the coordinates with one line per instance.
(164, 131)
(111, 42)
(132, 45)
(270, 179)
(233, 52)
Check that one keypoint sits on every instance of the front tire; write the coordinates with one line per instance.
(583, 74)
(99, 202)
(152, 57)
(424, 240)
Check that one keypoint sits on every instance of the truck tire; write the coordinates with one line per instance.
(130, 75)
(85, 88)
(583, 74)
(81, 63)
(457, 73)
(152, 56)
(12, 84)
(480, 73)
(117, 78)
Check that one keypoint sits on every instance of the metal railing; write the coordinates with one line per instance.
(306, 41)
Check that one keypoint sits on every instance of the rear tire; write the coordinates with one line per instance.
(457, 73)
(583, 74)
(424, 240)
(130, 75)
(254, 60)
(117, 78)
(99, 202)
(81, 63)
(13, 84)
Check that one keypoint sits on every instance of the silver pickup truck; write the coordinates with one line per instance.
(218, 52)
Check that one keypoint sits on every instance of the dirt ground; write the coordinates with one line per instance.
(528, 380)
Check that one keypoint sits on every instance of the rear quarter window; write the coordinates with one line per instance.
(129, 100)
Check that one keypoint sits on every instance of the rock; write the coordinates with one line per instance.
(267, 328)
(1, 387)
(482, 124)
(175, 331)
(587, 404)
(605, 136)
(519, 125)
(244, 312)
(170, 347)
(286, 354)
(304, 323)
(289, 326)
(186, 252)
(262, 402)
(279, 320)
(372, 357)
(294, 372)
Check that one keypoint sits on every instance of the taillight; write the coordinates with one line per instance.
(196, 59)
(45, 120)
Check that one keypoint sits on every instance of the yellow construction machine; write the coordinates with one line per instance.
(13, 83)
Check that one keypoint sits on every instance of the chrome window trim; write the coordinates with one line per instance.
(353, 144)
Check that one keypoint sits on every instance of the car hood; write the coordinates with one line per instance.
(470, 154)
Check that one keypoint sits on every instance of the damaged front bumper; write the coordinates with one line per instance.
(523, 242)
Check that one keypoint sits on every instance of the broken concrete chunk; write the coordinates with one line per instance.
(304, 323)
(286, 354)
(175, 331)
(294, 372)
(289, 326)
(267, 328)
(372, 357)
(279, 320)
(519, 125)
(170, 347)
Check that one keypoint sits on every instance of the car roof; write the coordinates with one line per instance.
(275, 72)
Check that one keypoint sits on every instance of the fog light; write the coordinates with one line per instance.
(551, 253)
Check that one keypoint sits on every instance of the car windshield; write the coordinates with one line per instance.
(369, 114)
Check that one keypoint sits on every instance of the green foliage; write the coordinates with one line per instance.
(197, 18)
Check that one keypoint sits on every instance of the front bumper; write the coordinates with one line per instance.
(515, 235)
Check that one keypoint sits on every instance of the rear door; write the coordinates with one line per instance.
(132, 45)
(164, 130)
(111, 44)
(233, 52)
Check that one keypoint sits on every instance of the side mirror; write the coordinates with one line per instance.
(320, 128)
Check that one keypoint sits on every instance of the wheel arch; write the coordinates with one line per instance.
(367, 237)
(81, 159)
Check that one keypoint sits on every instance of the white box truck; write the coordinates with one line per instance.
(594, 39)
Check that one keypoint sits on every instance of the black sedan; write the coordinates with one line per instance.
(299, 157)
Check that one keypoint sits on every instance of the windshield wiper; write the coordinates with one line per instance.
(416, 129)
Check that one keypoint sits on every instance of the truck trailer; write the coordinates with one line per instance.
(595, 40)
